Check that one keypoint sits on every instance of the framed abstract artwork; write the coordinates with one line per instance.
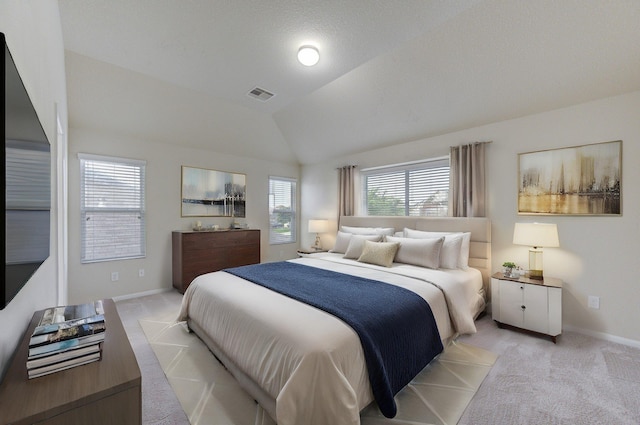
(211, 193)
(578, 180)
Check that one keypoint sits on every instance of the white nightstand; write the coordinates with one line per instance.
(528, 304)
(309, 252)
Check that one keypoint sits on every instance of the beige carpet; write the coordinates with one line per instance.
(210, 395)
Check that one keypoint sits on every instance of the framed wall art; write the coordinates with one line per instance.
(579, 180)
(211, 193)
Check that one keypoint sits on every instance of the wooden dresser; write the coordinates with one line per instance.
(196, 253)
(103, 392)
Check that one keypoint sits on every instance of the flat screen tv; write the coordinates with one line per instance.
(26, 182)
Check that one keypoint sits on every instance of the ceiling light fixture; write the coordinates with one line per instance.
(308, 55)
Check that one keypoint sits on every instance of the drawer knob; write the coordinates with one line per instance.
(523, 307)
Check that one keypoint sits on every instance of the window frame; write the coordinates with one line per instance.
(139, 195)
(404, 172)
(275, 240)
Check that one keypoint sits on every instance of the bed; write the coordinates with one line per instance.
(306, 366)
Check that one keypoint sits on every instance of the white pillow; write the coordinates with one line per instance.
(463, 262)
(451, 255)
(419, 252)
(342, 242)
(379, 253)
(368, 230)
(356, 244)
(423, 234)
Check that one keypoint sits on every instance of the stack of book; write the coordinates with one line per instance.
(66, 337)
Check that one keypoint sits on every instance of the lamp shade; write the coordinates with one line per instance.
(536, 234)
(318, 226)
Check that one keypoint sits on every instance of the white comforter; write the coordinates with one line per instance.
(308, 361)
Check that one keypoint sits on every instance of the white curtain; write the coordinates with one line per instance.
(346, 201)
(467, 181)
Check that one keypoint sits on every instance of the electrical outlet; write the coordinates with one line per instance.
(115, 276)
(140, 272)
(593, 302)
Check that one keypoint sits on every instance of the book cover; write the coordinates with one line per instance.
(65, 355)
(71, 312)
(67, 333)
(69, 344)
(78, 361)
(55, 327)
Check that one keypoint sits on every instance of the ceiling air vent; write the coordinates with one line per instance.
(260, 94)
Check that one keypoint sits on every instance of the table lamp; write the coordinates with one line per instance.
(536, 236)
(317, 227)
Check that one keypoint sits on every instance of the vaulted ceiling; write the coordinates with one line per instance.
(389, 72)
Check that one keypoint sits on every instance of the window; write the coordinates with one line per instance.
(412, 189)
(282, 210)
(112, 208)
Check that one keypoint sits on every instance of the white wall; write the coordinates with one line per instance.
(163, 184)
(596, 254)
(34, 36)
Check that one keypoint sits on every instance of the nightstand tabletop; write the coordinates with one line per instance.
(310, 251)
(546, 281)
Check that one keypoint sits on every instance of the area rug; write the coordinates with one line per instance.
(210, 395)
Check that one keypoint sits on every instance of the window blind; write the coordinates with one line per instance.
(112, 207)
(282, 210)
(413, 189)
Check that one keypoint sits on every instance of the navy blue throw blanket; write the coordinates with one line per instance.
(396, 327)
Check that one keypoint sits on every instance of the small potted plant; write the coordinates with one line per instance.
(508, 268)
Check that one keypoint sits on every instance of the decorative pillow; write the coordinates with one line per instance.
(356, 244)
(379, 253)
(342, 242)
(451, 253)
(368, 230)
(419, 252)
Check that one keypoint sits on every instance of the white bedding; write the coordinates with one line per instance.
(308, 361)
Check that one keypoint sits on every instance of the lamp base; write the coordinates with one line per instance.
(535, 274)
(535, 263)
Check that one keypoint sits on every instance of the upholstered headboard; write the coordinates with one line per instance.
(480, 228)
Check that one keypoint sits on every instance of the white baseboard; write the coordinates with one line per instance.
(141, 294)
(602, 335)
